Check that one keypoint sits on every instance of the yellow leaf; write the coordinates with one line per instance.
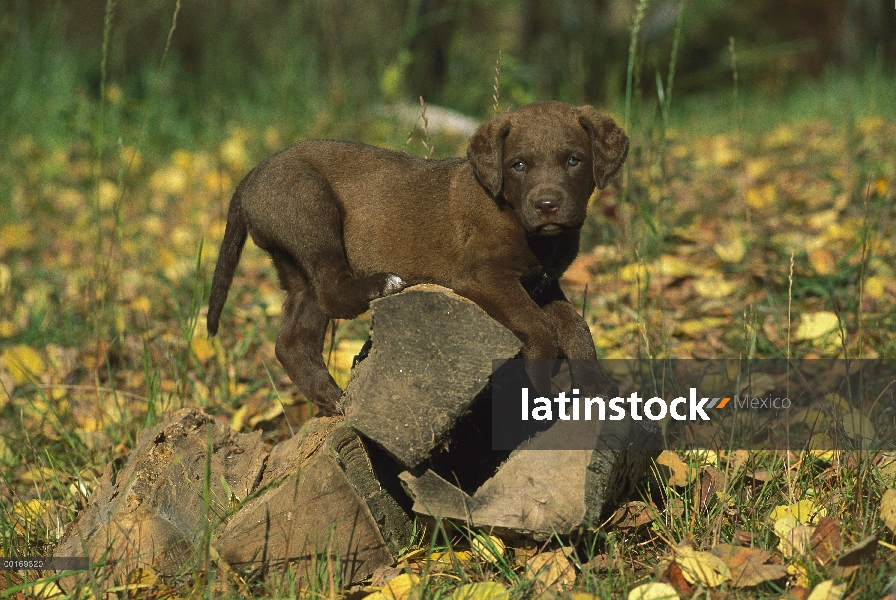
(182, 160)
(107, 193)
(23, 363)
(680, 474)
(805, 512)
(15, 236)
(551, 570)
(202, 347)
(633, 273)
(732, 251)
(448, 558)
(695, 328)
(49, 589)
(858, 427)
(400, 588)
(757, 167)
(821, 447)
(488, 548)
(874, 287)
(816, 325)
(653, 591)
(795, 540)
(131, 157)
(799, 573)
(141, 304)
(822, 261)
(7, 329)
(762, 196)
(672, 266)
(170, 180)
(838, 403)
(485, 590)
(714, 287)
(723, 154)
(781, 136)
(27, 512)
(888, 509)
(234, 153)
(701, 567)
(5, 279)
(828, 590)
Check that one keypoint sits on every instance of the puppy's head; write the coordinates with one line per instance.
(545, 159)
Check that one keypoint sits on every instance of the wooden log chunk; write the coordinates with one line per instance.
(432, 354)
(152, 513)
(327, 512)
(313, 501)
(539, 491)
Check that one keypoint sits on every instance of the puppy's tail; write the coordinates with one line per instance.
(231, 247)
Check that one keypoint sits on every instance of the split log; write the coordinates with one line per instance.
(313, 500)
(432, 355)
(539, 491)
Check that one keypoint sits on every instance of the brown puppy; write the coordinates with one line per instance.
(346, 223)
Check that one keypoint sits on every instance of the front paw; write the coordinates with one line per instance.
(590, 379)
(539, 373)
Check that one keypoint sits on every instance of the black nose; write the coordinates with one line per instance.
(547, 206)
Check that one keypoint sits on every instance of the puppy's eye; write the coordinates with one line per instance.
(573, 161)
(519, 166)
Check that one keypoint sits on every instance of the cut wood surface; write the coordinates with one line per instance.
(432, 354)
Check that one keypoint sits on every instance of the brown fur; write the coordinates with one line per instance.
(341, 220)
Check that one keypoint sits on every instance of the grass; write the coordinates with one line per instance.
(742, 220)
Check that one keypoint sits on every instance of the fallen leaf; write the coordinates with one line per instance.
(858, 428)
(888, 509)
(795, 541)
(800, 575)
(712, 481)
(488, 548)
(804, 511)
(701, 567)
(826, 542)
(24, 363)
(484, 590)
(816, 325)
(748, 565)
(714, 287)
(551, 570)
(202, 347)
(828, 590)
(822, 260)
(653, 591)
(732, 251)
(676, 578)
(860, 552)
(679, 472)
(400, 587)
(633, 514)
(761, 196)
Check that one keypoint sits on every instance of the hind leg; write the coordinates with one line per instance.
(309, 238)
(300, 341)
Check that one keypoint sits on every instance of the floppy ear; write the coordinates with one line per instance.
(609, 144)
(486, 152)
